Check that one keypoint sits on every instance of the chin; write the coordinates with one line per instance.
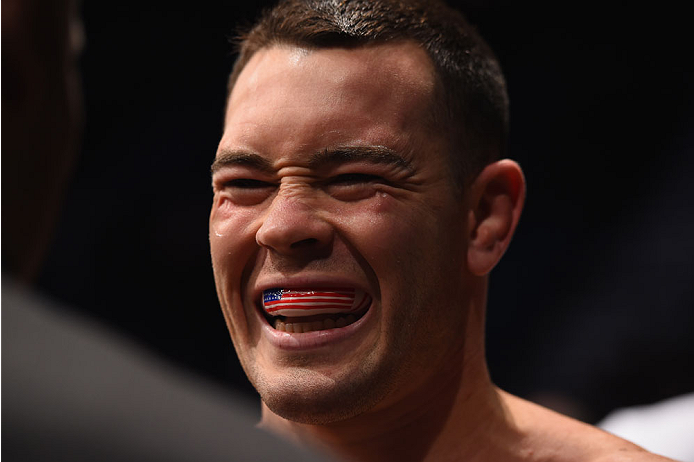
(310, 397)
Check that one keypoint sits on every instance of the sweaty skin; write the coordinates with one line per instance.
(330, 173)
(327, 175)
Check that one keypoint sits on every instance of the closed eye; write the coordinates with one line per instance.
(247, 183)
(244, 191)
(353, 186)
(347, 179)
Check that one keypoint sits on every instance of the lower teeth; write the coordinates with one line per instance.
(303, 327)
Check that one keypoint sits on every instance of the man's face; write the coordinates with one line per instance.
(330, 174)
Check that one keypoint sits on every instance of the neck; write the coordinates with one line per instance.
(457, 414)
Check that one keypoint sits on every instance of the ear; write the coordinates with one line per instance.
(496, 201)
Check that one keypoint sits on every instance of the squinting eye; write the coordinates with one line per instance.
(353, 186)
(354, 178)
(244, 191)
(247, 183)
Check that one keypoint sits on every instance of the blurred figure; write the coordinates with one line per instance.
(72, 390)
(664, 427)
(41, 101)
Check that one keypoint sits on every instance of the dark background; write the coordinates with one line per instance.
(592, 307)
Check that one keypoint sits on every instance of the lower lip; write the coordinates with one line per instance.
(312, 340)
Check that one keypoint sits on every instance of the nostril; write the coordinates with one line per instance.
(304, 243)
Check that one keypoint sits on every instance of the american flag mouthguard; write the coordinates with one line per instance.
(286, 302)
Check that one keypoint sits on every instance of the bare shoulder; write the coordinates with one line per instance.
(550, 436)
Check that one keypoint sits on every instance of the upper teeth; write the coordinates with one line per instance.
(307, 302)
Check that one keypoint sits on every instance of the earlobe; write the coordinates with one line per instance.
(496, 201)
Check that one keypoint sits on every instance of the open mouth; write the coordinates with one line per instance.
(308, 310)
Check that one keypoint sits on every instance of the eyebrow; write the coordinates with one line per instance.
(324, 158)
(371, 154)
(229, 158)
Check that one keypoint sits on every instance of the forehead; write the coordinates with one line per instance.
(293, 97)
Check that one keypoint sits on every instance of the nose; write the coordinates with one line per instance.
(291, 226)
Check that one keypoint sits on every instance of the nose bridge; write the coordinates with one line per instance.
(293, 221)
(291, 204)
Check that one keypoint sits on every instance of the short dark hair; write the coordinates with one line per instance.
(473, 103)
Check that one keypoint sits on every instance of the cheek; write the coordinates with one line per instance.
(390, 220)
(232, 242)
(384, 230)
(406, 243)
(362, 220)
(232, 246)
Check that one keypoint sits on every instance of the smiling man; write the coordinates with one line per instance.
(361, 200)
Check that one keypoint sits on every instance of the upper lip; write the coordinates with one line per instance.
(304, 282)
